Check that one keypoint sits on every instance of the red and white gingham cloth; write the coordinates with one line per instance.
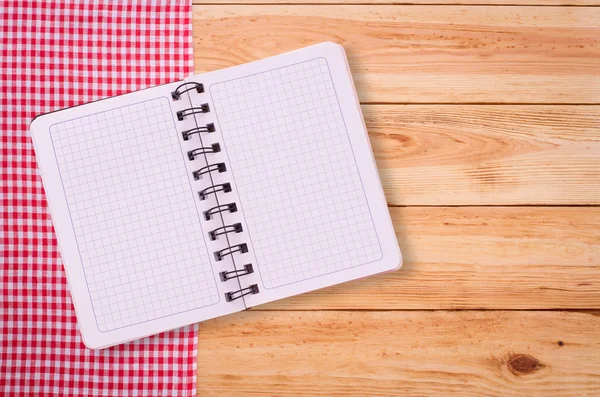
(55, 55)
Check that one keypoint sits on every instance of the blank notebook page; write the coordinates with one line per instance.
(133, 214)
(295, 173)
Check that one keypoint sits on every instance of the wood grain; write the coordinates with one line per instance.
(468, 113)
(486, 155)
(423, 54)
(540, 3)
(479, 258)
(400, 353)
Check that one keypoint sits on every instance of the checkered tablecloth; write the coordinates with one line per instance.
(54, 55)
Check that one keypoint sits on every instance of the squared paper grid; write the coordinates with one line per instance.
(125, 182)
(55, 55)
(295, 173)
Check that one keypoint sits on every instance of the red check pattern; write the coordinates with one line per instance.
(55, 55)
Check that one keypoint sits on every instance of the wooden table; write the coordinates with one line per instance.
(484, 116)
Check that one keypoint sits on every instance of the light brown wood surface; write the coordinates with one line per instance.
(484, 117)
(486, 155)
(479, 258)
(360, 354)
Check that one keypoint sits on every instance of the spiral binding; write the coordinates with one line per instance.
(215, 189)
(241, 248)
(214, 148)
(248, 269)
(176, 95)
(233, 295)
(182, 114)
(209, 168)
(231, 207)
(210, 127)
(221, 187)
(235, 228)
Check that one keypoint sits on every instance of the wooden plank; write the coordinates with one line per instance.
(422, 54)
(486, 155)
(479, 258)
(541, 3)
(400, 354)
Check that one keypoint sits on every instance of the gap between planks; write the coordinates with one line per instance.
(479, 104)
(473, 3)
(496, 205)
(593, 312)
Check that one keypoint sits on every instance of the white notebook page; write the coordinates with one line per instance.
(295, 173)
(299, 171)
(130, 206)
(125, 195)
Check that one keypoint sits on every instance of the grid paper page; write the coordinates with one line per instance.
(295, 173)
(133, 213)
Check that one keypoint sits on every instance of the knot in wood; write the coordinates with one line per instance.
(523, 364)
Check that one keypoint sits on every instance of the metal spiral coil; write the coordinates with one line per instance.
(233, 295)
(241, 248)
(231, 207)
(228, 275)
(235, 228)
(176, 95)
(182, 114)
(210, 127)
(214, 189)
(214, 148)
(209, 168)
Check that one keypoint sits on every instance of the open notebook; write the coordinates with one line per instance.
(196, 199)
